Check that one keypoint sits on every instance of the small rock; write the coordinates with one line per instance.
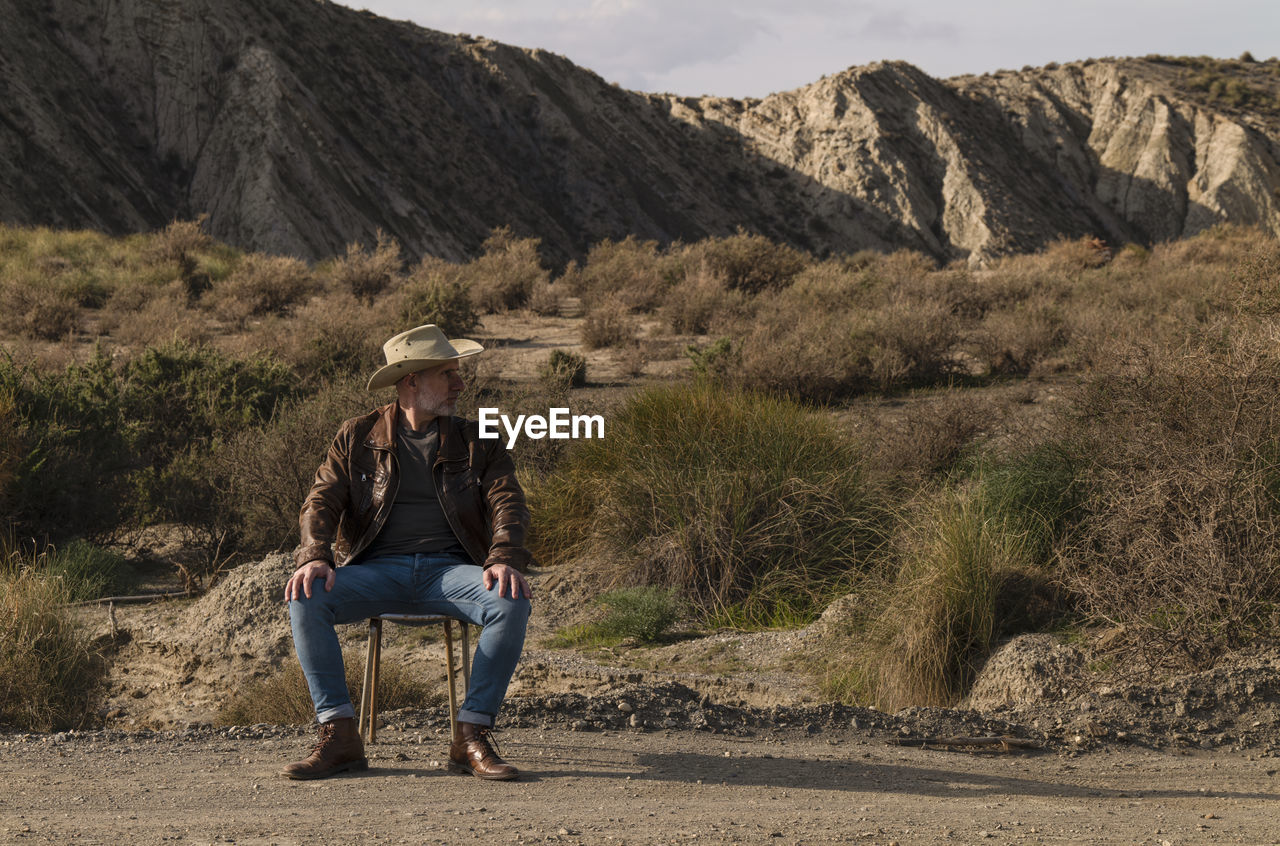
(625, 707)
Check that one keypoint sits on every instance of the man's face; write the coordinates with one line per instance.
(434, 392)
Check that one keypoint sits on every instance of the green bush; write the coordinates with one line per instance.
(749, 505)
(87, 571)
(73, 437)
(638, 613)
(261, 474)
(564, 368)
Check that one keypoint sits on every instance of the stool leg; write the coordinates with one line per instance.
(373, 682)
(368, 680)
(466, 658)
(453, 689)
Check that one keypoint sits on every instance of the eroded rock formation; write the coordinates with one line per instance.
(299, 126)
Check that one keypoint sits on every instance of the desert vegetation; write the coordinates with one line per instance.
(1083, 440)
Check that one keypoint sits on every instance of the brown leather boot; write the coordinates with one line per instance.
(471, 753)
(339, 749)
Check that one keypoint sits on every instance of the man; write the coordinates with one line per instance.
(429, 519)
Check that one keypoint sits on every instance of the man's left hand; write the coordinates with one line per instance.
(509, 580)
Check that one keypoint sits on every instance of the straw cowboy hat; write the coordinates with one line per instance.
(416, 349)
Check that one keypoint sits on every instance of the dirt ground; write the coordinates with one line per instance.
(636, 786)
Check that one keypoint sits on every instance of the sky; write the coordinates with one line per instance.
(751, 48)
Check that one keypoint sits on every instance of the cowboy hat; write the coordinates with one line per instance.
(416, 349)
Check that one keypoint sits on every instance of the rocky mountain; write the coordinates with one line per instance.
(299, 126)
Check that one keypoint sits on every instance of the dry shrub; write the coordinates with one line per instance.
(899, 268)
(506, 274)
(367, 273)
(39, 312)
(633, 272)
(913, 340)
(1220, 245)
(544, 299)
(262, 474)
(180, 239)
(160, 314)
(1181, 547)
(260, 285)
(1014, 341)
(748, 263)
(433, 295)
(333, 336)
(608, 323)
(934, 435)
(1066, 257)
(701, 301)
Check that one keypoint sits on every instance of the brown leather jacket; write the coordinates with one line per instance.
(357, 483)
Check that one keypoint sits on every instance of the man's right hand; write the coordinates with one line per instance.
(300, 582)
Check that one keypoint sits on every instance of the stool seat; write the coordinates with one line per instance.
(373, 661)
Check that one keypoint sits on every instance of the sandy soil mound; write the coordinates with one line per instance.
(245, 614)
(1027, 670)
(178, 662)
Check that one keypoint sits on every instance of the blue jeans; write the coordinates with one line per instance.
(408, 584)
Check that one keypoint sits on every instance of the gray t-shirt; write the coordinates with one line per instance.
(416, 523)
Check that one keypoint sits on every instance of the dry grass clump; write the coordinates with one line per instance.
(50, 672)
(283, 699)
(608, 323)
(751, 507)
(971, 564)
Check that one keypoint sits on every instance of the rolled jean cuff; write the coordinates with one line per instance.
(475, 717)
(340, 713)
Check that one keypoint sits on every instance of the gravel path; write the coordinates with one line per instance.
(625, 787)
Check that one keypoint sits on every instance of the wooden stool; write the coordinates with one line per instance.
(373, 657)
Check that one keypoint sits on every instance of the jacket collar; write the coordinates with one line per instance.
(383, 433)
